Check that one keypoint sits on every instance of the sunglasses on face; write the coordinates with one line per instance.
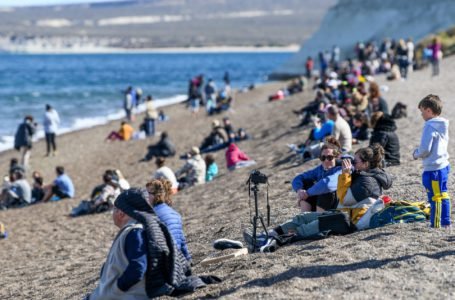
(328, 157)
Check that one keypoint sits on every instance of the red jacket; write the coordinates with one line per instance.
(234, 155)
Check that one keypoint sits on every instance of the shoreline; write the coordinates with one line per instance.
(170, 50)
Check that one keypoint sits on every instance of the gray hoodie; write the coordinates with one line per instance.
(433, 145)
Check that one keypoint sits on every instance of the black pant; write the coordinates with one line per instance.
(324, 201)
(50, 140)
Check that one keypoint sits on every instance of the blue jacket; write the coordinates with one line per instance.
(326, 180)
(325, 130)
(173, 222)
(212, 171)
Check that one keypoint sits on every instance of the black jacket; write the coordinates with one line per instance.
(24, 135)
(370, 183)
(384, 134)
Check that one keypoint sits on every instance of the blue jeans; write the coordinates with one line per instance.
(435, 183)
(150, 127)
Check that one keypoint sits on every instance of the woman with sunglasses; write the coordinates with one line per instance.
(316, 188)
(361, 184)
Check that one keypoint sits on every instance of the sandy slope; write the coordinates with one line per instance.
(50, 256)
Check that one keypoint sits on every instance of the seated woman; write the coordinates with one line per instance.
(124, 134)
(384, 134)
(38, 187)
(359, 187)
(235, 158)
(164, 172)
(316, 188)
(160, 191)
(361, 184)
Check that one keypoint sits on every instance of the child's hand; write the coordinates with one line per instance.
(414, 154)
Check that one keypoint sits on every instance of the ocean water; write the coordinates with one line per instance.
(86, 90)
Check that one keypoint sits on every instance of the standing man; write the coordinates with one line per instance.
(23, 139)
(51, 122)
(128, 103)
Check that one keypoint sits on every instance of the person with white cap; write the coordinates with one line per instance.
(193, 170)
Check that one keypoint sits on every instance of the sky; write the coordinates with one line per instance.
(13, 3)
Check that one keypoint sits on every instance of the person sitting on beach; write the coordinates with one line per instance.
(164, 172)
(17, 192)
(359, 187)
(3, 232)
(38, 187)
(216, 140)
(212, 168)
(102, 197)
(242, 135)
(164, 148)
(122, 182)
(61, 188)
(312, 109)
(160, 199)
(143, 261)
(362, 181)
(236, 159)
(336, 126)
(162, 117)
(375, 101)
(360, 128)
(125, 133)
(193, 170)
(229, 129)
(278, 95)
(316, 188)
(384, 134)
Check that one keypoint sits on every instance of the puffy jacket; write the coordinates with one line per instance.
(173, 222)
(234, 155)
(384, 134)
(357, 192)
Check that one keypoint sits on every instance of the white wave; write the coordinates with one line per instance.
(7, 142)
(56, 23)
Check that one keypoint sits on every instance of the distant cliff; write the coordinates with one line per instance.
(362, 20)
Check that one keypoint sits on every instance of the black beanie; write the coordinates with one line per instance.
(132, 201)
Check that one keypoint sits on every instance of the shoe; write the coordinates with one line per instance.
(270, 246)
(222, 244)
(261, 239)
(292, 147)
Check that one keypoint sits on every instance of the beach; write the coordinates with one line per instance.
(49, 255)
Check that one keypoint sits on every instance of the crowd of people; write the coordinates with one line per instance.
(150, 257)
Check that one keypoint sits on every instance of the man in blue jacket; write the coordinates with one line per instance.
(316, 188)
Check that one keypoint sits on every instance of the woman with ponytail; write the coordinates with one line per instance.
(361, 183)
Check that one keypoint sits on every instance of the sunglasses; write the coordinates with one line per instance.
(328, 157)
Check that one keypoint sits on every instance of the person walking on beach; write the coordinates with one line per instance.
(50, 123)
(128, 103)
(150, 116)
(436, 55)
(23, 139)
(436, 166)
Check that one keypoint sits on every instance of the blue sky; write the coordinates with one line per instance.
(4, 3)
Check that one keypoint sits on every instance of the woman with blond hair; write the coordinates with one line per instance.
(160, 191)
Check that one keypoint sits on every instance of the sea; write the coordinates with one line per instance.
(87, 89)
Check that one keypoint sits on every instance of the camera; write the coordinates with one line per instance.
(257, 177)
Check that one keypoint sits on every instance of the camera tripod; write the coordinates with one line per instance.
(258, 218)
